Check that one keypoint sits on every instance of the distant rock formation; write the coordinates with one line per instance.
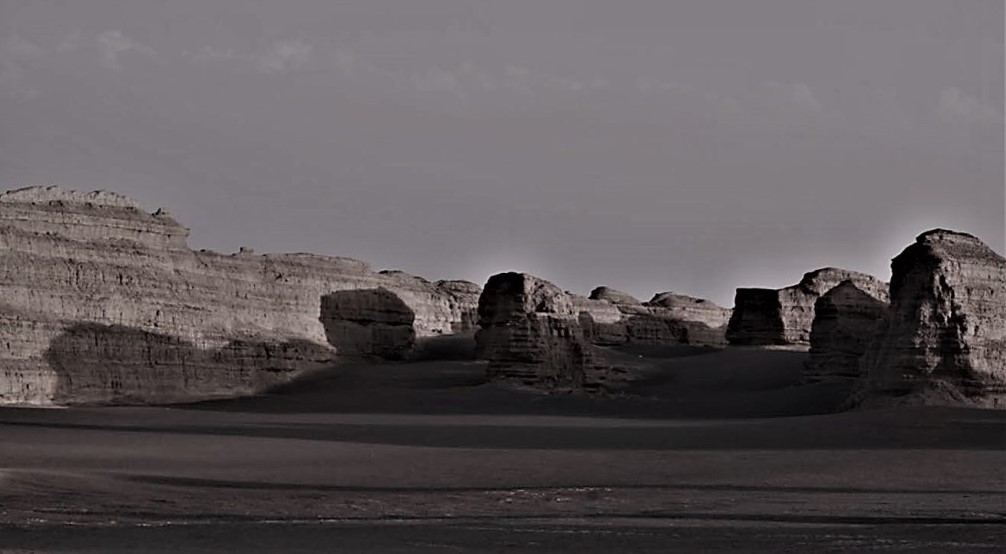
(530, 333)
(845, 321)
(613, 296)
(704, 322)
(534, 333)
(611, 317)
(944, 339)
(80, 266)
(783, 318)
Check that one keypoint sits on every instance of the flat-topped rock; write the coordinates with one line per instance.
(57, 195)
(944, 338)
(82, 270)
(783, 317)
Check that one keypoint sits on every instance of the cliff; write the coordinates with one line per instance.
(783, 317)
(103, 302)
(534, 333)
(944, 338)
(529, 332)
(845, 321)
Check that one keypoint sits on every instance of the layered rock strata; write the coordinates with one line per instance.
(534, 333)
(530, 333)
(783, 317)
(944, 338)
(845, 321)
(92, 278)
(610, 317)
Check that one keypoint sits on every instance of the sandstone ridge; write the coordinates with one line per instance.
(97, 265)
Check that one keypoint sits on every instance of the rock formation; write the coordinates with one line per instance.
(944, 338)
(845, 321)
(530, 333)
(90, 280)
(704, 322)
(613, 296)
(611, 317)
(783, 318)
(368, 322)
(534, 333)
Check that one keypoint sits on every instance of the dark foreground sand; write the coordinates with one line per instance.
(712, 452)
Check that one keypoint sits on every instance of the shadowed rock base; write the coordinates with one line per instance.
(115, 364)
(845, 321)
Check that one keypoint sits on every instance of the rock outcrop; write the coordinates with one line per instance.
(944, 338)
(845, 321)
(783, 317)
(704, 322)
(534, 333)
(613, 296)
(530, 333)
(90, 280)
(610, 317)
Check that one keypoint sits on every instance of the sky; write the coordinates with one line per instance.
(690, 146)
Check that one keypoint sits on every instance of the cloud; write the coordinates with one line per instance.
(795, 95)
(15, 54)
(958, 107)
(285, 55)
(439, 80)
(469, 79)
(113, 44)
(208, 54)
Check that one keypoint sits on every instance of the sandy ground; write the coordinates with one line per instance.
(711, 452)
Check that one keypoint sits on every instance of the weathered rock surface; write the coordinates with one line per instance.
(610, 317)
(533, 332)
(783, 317)
(944, 338)
(613, 296)
(845, 321)
(91, 277)
(704, 322)
(530, 333)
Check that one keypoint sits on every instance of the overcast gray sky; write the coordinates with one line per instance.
(693, 146)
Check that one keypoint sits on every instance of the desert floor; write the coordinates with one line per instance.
(713, 451)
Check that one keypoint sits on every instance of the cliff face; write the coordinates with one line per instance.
(103, 302)
(530, 333)
(783, 317)
(534, 333)
(845, 321)
(944, 338)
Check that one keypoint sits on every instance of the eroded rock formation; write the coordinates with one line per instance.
(845, 321)
(944, 338)
(704, 322)
(368, 322)
(77, 263)
(534, 333)
(530, 333)
(611, 317)
(783, 317)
